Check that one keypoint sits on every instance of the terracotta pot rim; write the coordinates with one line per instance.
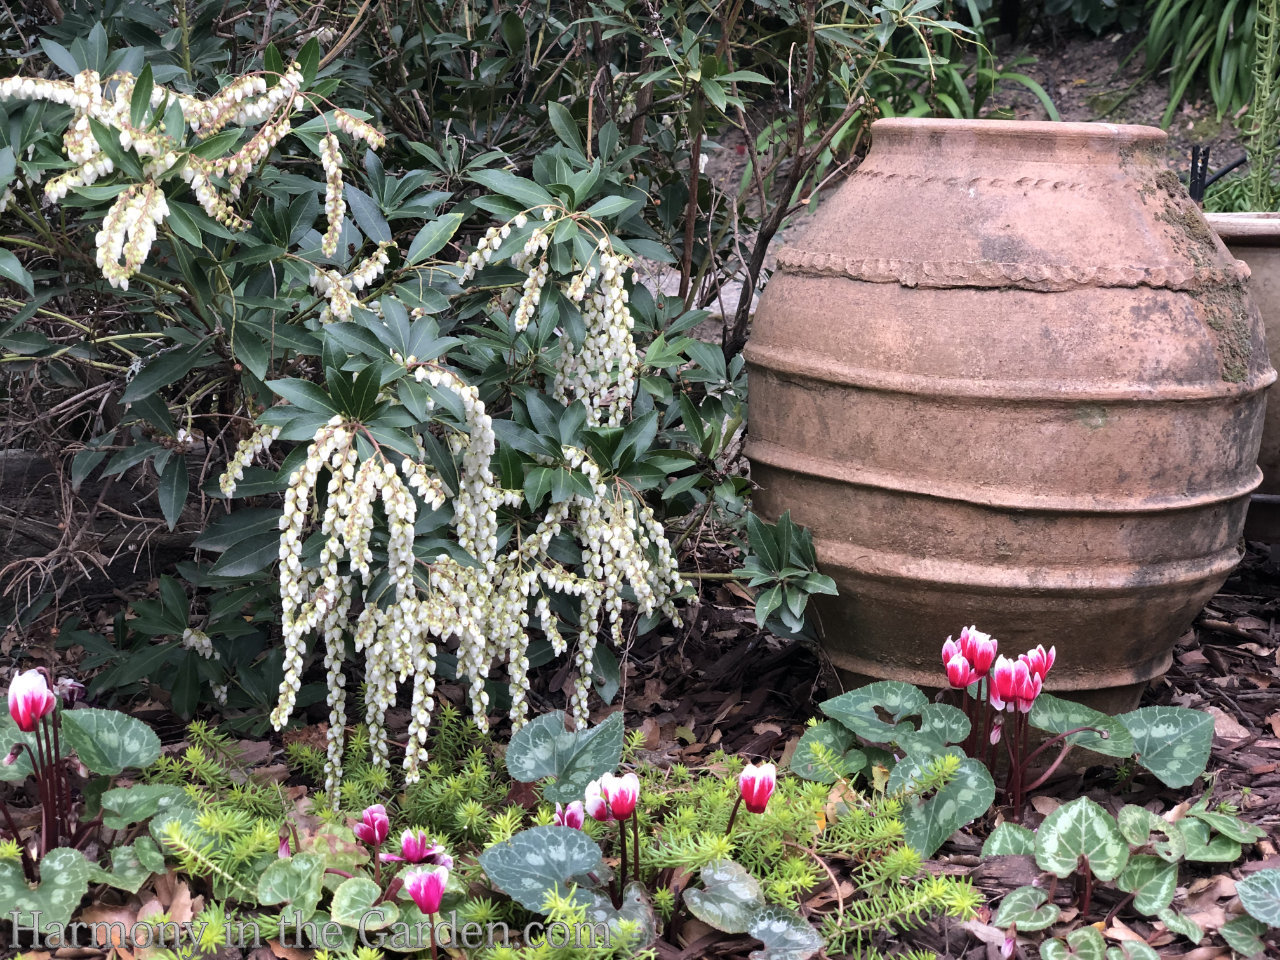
(1029, 129)
(1256, 228)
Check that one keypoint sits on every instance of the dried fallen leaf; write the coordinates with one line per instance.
(1118, 931)
(761, 728)
(288, 953)
(1226, 726)
(1273, 721)
(1045, 805)
(109, 924)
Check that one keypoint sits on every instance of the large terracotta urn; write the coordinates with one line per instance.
(1009, 376)
(1255, 239)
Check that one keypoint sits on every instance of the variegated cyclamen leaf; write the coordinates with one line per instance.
(539, 860)
(1078, 829)
(836, 738)
(127, 871)
(729, 899)
(1026, 907)
(571, 758)
(944, 722)
(785, 935)
(1226, 824)
(968, 795)
(1260, 896)
(1010, 840)
(10, 737)
(1151, 880)
(108, 741)
(1083, 944)
(64, 880)
(125, 806)
(1056, 715)
(1203, 849)
(1132, 950)
(1242, 933)
(297, 881)
(353, 905)
(1172, 742)
(636, 909)
(1181, 925)
(915, 765)
(1137, 824)
(857, 709)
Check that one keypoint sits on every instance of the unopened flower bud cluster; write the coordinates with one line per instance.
(130, 227)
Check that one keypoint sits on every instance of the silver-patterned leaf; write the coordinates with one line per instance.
(636, 913)
(1083, 944)
(1026, 907)
(729, 897)
(1226, 824)
(1203, 848)
(1010, 840)
(1138, 824)
(11, 736)
(967, 796)
(124, 806)
(1181, 925)
(1171, 742)
(785, 935)
(353, 905)
(1242, 933)
(571, 758)
(944, 722)
(858, 709)
(537, 861)
(1152, 881)
(127, 872)
(1078, 829)
(64, 880)
(1260, 896)
(108, 741)
(1132, 950)
(835, 737)
(297, 881)
(1056, 715)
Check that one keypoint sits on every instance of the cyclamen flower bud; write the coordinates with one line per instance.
(756, 784)
(570, 816)
(374, 826)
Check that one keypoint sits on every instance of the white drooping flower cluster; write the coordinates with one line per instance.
(129, 228)
(482, 605)
(258, 440)
(340, 290)
(602, 372)
(199, 641)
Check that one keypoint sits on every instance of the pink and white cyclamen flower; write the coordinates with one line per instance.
(756, 785)
(416, 847)
(30, 700)
(612, 797)
(426, 888)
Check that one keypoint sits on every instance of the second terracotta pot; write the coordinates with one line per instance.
(1255, 239)
(1010, 377)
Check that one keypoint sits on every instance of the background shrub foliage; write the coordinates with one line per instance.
(214, 279)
